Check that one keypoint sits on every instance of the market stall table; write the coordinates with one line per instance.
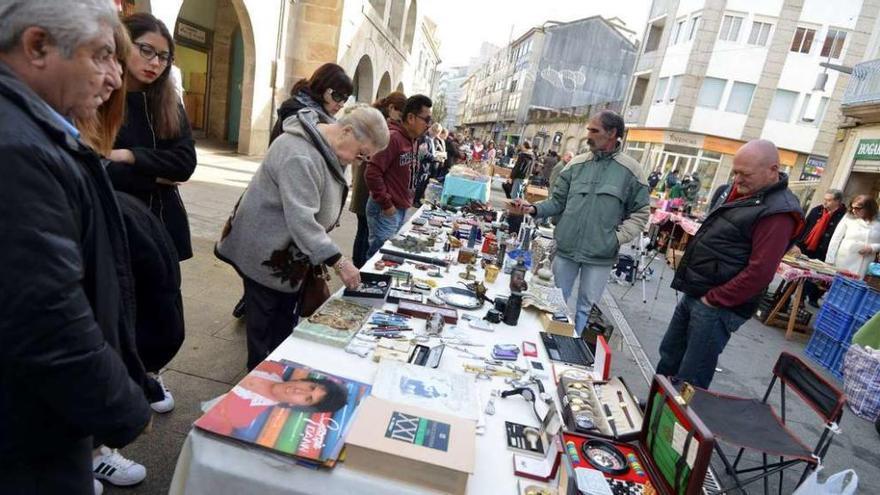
(462, 187)
(794, 274)
(211, 465)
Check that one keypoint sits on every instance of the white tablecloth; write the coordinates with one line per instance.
(213, 466)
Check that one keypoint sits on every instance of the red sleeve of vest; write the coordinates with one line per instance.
(770, 238)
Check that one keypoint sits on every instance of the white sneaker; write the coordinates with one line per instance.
(99, 488)
(165, 405)
(110, 466)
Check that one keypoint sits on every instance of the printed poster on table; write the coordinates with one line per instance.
(288, 408)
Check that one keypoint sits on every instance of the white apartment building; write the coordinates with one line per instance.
(713, 74)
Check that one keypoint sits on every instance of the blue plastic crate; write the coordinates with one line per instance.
(823, 349)
(836, 368)
(833, 322)
(845, 294)
(869, 306)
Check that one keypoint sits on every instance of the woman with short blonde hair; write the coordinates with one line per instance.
(279, 232)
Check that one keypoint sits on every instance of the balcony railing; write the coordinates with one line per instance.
(864, 85)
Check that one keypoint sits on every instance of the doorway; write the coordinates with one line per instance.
(193, 64)
(236, 79)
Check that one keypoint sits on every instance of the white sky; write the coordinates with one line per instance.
(464, 24)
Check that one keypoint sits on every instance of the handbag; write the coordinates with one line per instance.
(314, 290)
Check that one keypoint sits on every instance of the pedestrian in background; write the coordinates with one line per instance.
(856, 240)
(392, 108)
(66, 283)
(391, 174)
(729, 262)
(326, 91)
(602, 201)
(522, 170)
(813, 242)
(279, 231)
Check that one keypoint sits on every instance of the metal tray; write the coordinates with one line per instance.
(458, 297)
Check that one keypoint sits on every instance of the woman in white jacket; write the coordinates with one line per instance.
(856, 240)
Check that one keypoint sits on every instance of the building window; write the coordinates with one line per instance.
(730, 27)
(674, 88)
(811, 116)
(636, 150)
(710, 92)
(692, 27)
(833, 43)
(760, 33)
(782, 105)
(803, 40)
(660, 91)
(677, 33)
(740, 97)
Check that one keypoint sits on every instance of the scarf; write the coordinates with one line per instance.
(815, 235)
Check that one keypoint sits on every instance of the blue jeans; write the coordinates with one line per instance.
(516, 189)
(382, 227)
(695, 338)
(592, 280)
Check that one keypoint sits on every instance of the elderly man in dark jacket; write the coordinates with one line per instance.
(66, 309)
(729, 262)
(813, 241)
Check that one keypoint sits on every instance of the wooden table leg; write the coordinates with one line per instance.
(780, 304)
(795, 305)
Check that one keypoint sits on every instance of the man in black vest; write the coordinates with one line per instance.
(729, 262)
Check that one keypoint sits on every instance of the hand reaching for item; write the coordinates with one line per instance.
(348, 273)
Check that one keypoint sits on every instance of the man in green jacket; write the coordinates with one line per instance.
(601, 198)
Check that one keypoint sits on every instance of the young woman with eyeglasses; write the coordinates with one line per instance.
(856, 240)
(326, 92)
(154, 149)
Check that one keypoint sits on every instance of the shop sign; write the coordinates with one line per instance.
(683, 139)
(192, 33)
(813, 168)
(868, 149)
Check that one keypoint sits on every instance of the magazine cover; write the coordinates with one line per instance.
(289, 408)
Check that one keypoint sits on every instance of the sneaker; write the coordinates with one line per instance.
(167, 403)
(99, 488)
(111, 467)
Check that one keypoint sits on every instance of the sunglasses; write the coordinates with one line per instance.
(338, 97)
(149, 53)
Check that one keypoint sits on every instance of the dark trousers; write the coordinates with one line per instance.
(271, 316)
(361, 242)
(695, 338)
(59, 469)
(812, 292)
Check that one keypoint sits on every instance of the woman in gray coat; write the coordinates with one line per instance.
(281, 225)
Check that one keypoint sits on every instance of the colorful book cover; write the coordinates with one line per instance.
(289, 408)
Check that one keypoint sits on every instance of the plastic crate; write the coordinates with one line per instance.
(845, 294)
(836, 367)
(823, 348)
(833, 322)
(869, 306)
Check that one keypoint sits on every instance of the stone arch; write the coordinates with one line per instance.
(568, 144)
(384, 86)
(363, 80)
(410, 32)
(395, 18)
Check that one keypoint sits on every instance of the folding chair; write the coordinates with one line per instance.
(752, 424)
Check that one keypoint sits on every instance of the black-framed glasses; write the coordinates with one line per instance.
(149, 53)
(338, 97)
(428, 119)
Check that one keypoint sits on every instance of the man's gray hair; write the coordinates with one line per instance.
(837, 194)
(367, 123)
(70, 23)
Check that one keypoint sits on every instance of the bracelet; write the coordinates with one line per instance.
(337, 267)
